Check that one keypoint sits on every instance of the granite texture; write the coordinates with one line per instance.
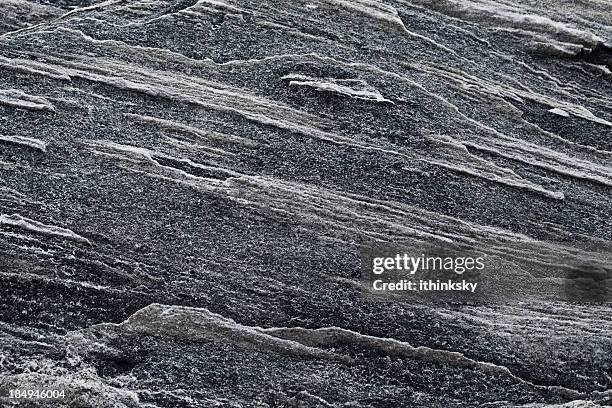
(186, 186)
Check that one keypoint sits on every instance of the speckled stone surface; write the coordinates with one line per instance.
(186, 188)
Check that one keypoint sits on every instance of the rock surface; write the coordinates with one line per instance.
(185, 187)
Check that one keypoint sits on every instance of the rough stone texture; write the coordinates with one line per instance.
(185, 187)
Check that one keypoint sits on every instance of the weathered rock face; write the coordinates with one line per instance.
(185, 187)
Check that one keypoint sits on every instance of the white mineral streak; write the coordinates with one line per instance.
(37, 227)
